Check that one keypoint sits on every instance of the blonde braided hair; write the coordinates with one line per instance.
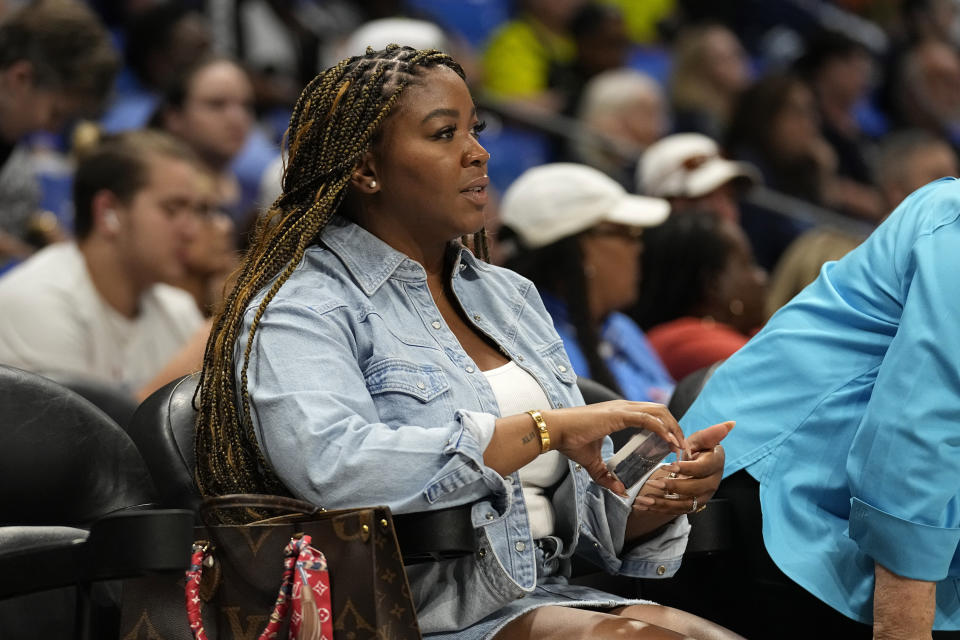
(335, 122)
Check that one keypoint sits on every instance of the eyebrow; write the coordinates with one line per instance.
(453, 113)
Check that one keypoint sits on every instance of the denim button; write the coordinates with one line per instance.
(490, 516)
(520, 546)
(420, 385)
(661, 570)
(519, 357)
(470, 369)
(562, 369)
(477, 317)
(436, 324)
(579, 467)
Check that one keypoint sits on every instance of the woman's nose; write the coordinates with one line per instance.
(475, 154)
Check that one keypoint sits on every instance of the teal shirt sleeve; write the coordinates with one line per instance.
(903, 466)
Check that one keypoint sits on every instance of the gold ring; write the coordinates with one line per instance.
(701, 508)
(693, 508)
(671, 496)
(672, 475)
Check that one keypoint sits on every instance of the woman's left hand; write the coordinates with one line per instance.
(685, 487)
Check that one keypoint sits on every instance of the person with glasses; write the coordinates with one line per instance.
(577, 233)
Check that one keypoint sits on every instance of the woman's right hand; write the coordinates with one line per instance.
(578, 432)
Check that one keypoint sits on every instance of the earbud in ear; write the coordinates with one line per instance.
(111, 220)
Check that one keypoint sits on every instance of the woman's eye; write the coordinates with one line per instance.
(477, 128)
(446, 133)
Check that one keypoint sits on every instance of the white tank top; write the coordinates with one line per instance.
(516, 391)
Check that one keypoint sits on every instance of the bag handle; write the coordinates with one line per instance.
(256, 501)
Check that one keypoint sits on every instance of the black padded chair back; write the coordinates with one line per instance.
(163, 428)
(113, 400)
(688, 389)
(63, 461)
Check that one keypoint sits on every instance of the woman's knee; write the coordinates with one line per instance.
(564, 622)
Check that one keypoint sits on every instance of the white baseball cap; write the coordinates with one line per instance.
(553, 201)
(688, 165)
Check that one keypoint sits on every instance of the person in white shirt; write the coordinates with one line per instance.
(97, 308)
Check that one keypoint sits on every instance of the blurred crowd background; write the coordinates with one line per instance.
(790, 127)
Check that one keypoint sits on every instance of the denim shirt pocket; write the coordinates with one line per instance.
(409, 393)
(425, 382)
(554, 358)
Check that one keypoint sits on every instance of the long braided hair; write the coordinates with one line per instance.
(558, 269)
(336, 120)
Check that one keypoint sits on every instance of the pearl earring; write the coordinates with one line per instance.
(373, 184)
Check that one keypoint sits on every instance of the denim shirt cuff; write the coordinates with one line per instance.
(467, 444)
(658, 557)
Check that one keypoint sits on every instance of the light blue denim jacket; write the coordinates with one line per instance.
(361, 394)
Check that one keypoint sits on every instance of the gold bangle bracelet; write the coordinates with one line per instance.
(542, 428)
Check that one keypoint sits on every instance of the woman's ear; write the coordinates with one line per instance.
(364, 176)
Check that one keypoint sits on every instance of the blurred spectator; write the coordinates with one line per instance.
(95, 308)
(210, 107)
(839, 70)
(282, 43)
(688, 170)
(701, 292)
(927, 90)
(709, 71)
(56, 62)
(801, 262)
(578, 233)
(525, 56)
(162, 40)
(627, 110)
(910, 159)
(212, 255)
(776, 127)
(643, 18)
(601, 43)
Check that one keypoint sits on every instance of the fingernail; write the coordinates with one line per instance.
(646, 500)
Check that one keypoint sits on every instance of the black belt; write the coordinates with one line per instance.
(435, 535)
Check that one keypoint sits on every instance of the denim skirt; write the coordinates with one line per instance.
(551, 590)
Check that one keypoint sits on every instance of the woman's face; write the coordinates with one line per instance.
(796, 123)
(430, 169)
(742, 285)
(725, 60)
(217, 112)
(611, 258)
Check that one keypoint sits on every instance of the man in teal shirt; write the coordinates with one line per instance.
(848, 424)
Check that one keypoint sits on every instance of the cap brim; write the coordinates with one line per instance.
(639, 211)
(717, 173)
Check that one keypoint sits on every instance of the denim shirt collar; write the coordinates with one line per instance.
(371, 261)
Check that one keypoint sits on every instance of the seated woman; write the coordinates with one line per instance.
(365, 356)
(578, 240)
(702, 294)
